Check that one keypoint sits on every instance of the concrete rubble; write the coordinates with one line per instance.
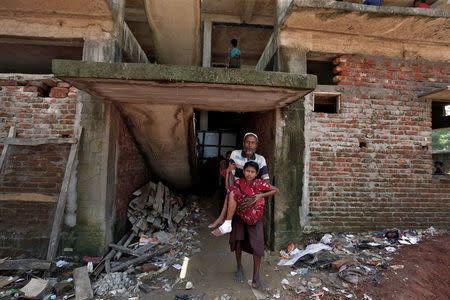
(161, 236)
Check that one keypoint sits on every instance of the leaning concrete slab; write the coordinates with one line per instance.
(202, 88)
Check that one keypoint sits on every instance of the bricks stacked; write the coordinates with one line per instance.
(371, 164)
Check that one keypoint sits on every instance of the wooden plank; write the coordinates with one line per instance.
(106, 260)
(5, 280)
(56, 229)
(127, 242)
(36, 142)
(83, 289)
(29, 197)
(11, 134)
(25, 264)
(141, 259)
(125, 250)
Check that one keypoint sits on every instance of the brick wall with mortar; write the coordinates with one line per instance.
(132, 173)
(389, 182)
(37, 111)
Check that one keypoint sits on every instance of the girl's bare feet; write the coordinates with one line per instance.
(216, 223)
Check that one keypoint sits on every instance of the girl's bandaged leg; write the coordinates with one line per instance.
(225, 227)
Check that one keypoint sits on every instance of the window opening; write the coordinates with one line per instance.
(322, 69)
(326, 103)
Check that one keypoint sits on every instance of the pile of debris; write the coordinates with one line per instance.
(155, 207)
(336, 263)
(161, 236)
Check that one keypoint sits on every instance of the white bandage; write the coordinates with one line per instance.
(225, 227)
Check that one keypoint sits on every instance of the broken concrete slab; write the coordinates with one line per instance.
(36, 288)
(83, 289)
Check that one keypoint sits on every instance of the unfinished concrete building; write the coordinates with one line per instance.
(344, 97)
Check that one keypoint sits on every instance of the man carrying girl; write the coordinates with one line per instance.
(246, 197)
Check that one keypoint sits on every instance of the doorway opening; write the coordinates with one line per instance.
(220, 132)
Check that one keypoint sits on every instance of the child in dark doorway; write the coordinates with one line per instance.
(244, 188)
(439, 165)
(234, 58)
(421, 4)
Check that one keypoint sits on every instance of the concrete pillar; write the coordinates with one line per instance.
(207, 30)
(291, 60)
(289, 156)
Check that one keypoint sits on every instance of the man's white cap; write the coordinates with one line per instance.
(251, 133)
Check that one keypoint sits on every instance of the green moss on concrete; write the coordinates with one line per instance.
(166, 73)
(289, 169)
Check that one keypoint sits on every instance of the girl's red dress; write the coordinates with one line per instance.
(241, 191)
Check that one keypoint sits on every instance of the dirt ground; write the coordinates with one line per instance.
(426, 273)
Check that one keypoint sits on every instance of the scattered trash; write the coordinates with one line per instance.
(397, 267)
(61, 263)
(390, 249)
(189, 285)
(285, 281)
(277, 294)
(296, 253)
(326, 239)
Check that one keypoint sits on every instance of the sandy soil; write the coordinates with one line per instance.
(426, 273)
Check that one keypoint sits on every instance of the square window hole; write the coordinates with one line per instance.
(326, 103)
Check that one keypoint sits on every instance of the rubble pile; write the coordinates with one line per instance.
(114, 284)
(162, 234)
(337, 263)
(155, 207)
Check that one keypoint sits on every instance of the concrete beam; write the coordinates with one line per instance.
(223, 18)
(357, 44)
(123, 71)
(248, 11)
(207, 30)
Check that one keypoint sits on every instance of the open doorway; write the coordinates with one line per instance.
(220, 132)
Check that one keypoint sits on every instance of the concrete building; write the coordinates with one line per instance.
(344, 97)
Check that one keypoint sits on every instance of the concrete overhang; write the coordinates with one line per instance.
(203, 88)
(441, 95)
(398, 32)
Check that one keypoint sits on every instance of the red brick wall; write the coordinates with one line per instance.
(26, 225)
(389, 183)
(132, 173)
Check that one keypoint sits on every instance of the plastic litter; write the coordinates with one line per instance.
(326, 239)
(397, 267)
(61, 263)
(296, 253)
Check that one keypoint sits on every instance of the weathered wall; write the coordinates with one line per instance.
(32, 176)
(389, 182)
